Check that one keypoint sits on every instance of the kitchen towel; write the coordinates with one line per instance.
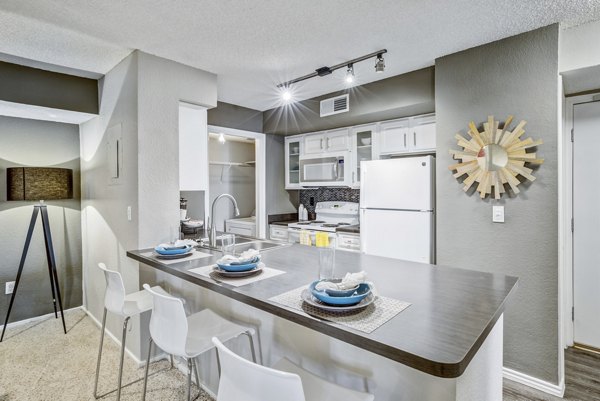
(194, 255)
(366, 320)
(207, 271)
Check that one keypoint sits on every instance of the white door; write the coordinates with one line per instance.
(586, 214)
(396, 234)
(423, 137)
(337, 140)
(314, 143)
(404, 183)
(393, 137)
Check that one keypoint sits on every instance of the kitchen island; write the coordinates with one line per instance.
(446, 346)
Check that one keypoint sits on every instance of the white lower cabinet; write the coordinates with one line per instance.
(278, 233)
(348, 242)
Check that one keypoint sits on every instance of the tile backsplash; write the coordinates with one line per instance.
(327, 194)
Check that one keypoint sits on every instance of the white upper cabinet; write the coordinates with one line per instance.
(293, 149)
(314, 143)
(423, 134)
(337, 140)
(393, 137)
(331, 141)
(408, 135)
(193, 148)
(363, 141)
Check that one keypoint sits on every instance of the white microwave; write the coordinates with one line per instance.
(324, 170)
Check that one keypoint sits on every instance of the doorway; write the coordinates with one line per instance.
(237, 166)
(586, 219)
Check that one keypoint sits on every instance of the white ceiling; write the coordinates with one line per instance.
(253, 45)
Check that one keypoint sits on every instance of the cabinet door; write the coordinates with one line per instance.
(393, 137)
(337, 140)
(423, 137)
(193, 148)
(292, 163)
(362, 148)
(314, 143)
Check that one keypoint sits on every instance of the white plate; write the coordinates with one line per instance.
(309, 299)
(257, 270)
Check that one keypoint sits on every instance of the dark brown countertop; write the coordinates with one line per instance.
(284, 223)
(452, 312)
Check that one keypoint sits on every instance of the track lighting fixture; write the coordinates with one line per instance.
(380, 64)
(286, 95)
(350, 74)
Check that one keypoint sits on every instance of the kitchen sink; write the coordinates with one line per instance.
(242, 244)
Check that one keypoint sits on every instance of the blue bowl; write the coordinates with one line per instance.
(358, 295)
(173, 251)
(238, 268)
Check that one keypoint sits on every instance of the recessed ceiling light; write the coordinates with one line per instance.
(350, 74)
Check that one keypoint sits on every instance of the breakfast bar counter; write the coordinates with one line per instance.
(451, 316)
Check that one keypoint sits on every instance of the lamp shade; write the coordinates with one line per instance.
(39, 183)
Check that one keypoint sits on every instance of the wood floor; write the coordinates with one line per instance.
(582, 371)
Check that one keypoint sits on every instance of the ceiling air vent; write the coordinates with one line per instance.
(334, 105)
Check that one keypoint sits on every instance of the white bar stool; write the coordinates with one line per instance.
(187, 337)
(124, 305)
(244, 380)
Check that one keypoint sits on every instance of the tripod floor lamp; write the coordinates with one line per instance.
(35, 184)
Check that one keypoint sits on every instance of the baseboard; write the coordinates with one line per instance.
(35, 319)
(530, 381)
(138, 362)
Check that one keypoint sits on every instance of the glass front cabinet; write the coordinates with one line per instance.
(363, 142)
(292, 162)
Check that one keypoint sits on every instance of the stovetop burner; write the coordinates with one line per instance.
(330, 225)
(343, 224)
(304, 223)
(317, 221)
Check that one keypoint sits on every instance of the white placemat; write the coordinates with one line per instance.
(365, 320)
(195, 255)
(207, 271)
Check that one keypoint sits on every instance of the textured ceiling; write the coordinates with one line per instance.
(253, 45)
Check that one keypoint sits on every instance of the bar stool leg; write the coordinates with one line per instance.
(247, 334)
(123, 338)
(218, 362)
(189, 384)
(147, 368)
(195, 363)
(99, 354)
(171, 357)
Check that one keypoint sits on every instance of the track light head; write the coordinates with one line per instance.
(286, 94)
(221, 138)
(350, 74)
(380, 64)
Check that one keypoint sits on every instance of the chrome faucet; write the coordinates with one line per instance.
(212, 233)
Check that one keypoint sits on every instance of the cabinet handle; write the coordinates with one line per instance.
(415, 138)
(327, 142)
(404, 139)
(321, 143)
(353, 177)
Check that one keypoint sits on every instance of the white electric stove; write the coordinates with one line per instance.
(330, 216)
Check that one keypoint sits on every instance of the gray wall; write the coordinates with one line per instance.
(238, 117)
(278, 200)
(237, 181)
(40, 144)
(28, 85)
(399, 96)
(515, 76)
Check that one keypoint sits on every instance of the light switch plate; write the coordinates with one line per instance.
(498, 214)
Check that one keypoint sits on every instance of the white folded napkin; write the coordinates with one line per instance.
(179, 243)
(349, 281)
(244, 257)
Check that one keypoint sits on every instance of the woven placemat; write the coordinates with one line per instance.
(365, 320)
(207, 271)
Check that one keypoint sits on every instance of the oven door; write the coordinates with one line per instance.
(324, 171)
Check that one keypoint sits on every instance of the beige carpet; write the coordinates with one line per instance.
(39, 363)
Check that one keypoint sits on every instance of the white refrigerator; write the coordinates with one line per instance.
(397, 214)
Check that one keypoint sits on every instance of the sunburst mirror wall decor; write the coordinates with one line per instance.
(494, 157)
